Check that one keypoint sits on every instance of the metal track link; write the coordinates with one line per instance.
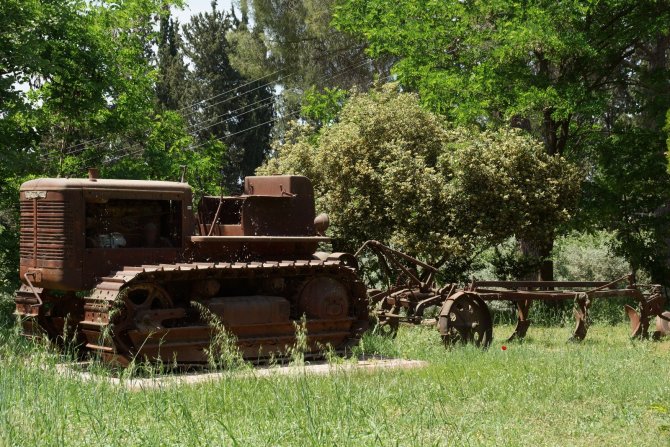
(99, 305)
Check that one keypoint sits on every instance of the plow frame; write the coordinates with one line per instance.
(463, 317)
(411, 292)
(406, 300)
(649, 298)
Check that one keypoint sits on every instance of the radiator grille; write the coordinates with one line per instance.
(54, 230)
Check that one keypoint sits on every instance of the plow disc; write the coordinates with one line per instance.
(650, 305)
(663, 324)
(634, 320)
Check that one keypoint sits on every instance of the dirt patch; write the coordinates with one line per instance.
(79, 371)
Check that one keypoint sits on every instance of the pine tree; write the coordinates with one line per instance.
(296, 37)
(171, 67)
(230, 107)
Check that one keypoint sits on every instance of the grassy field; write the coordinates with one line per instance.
(606, 391)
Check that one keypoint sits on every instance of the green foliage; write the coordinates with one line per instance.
(297, 38)
(172, 70)
(592, 257)
(240, 111)
(496, 60)
(9, 234)
(294, 43)
(577, 257)
(508, 262)
(323, 107)
(80, 92)
(578, 74)
(7, 308)
(629, 192)
(99, 105)
(532, 192)
(392, 171)
(90, 83)
(374, 170)
(589, 257)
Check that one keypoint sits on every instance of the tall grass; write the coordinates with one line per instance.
(608, 390)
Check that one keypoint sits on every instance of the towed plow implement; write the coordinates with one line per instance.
(410, 289)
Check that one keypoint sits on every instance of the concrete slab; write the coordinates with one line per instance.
(79, 371)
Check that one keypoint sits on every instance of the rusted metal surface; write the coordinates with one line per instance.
(650, 305)
(662, 324)
(152, 297)
(523, 293)
(152, 323)
(464, 316)
(465, 319)
(62, 218)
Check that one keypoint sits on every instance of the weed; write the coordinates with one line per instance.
(300, 347)
(223, 351)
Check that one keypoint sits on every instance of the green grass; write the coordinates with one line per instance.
(605, 391)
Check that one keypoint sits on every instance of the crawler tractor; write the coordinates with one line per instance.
(138, 273)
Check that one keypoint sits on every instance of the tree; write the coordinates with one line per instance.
(551, 68)
(392, 171)
(52, 72)
(77, 89)
(294, 44)
(171, 67)
(296, 39)
(228, 106)
(629, 193)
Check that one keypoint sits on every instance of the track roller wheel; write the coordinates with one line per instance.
(143, 306)
(464, 319)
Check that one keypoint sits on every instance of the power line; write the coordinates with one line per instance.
(85, 143)
(244, 130)
(223, 101)
(101, 140)
(113, 159)
(193, 148)
(270, 98)
(140, 150)
(233, 117)
(232, 90)
(282, 117)
(226, 120)
(192, 129)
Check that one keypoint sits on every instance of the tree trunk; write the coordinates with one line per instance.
(555, 134)
(655, 91)
(540, 250)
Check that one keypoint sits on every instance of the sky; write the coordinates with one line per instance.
(196, 6)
